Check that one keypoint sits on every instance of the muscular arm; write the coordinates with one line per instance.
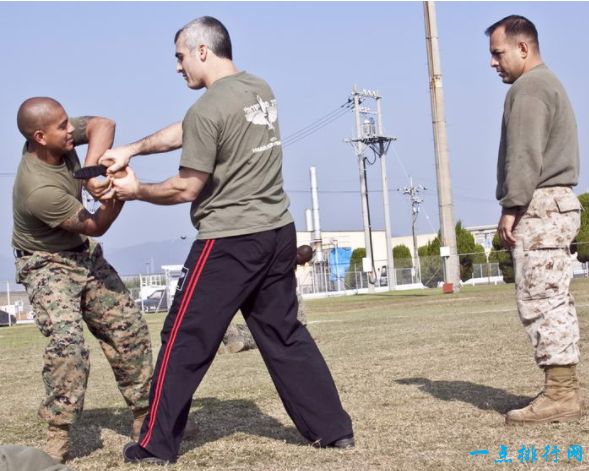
(182, 188)
(96, 224)
(98, 133)
(164, 140)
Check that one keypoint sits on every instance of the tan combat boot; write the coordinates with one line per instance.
(58, 442)
(138, 418)
(560, 401)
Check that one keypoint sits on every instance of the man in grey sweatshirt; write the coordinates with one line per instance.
(537, 166)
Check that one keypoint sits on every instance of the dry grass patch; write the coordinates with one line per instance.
(426, 378)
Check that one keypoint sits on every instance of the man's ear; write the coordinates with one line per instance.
(524, 49)
(39, 137)
(203, 51)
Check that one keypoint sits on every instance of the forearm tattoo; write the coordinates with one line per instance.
(76, 223)
(81, 130)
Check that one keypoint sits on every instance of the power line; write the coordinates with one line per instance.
(317, 124)
(289, 141)
(329, 115)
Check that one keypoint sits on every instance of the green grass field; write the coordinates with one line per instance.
(425, 376)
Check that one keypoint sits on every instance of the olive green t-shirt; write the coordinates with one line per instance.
(232, 133)
(43, 197)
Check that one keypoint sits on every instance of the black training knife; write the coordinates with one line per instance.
(85, 173)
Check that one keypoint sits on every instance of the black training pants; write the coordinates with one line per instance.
(254, 273)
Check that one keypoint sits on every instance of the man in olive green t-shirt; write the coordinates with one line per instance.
(244, 257)
(66, 277)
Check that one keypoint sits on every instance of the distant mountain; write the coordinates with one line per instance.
(148, 257)
(7, 272)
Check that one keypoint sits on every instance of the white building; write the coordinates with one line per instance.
(355, 239)
(483, 235)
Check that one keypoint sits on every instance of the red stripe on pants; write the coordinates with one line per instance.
(198, 268)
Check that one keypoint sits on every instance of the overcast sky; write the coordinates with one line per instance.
(117, 60)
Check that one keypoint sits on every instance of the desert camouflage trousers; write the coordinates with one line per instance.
(65, 290)
(542, 262)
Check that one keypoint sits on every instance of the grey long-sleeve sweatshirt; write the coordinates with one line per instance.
(539, 145)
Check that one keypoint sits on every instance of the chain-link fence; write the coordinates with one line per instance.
(426, 273)
(15, 302)
(319, 278)
(154, 292)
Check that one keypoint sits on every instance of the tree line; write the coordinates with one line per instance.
(470, 254)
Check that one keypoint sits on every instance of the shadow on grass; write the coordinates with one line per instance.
(86, 432)
(213, 417)
(216, 418)
(479, 395)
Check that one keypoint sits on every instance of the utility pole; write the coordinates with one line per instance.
(370, 134)
(412, 191)
(383, 146)
(316, 241)
(8, 302)
(446, 209)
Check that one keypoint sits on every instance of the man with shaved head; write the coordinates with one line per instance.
(34, 114)
(64, 272)
(537, 167)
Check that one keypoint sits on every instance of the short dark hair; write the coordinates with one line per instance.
(516, 25)
(209, 31)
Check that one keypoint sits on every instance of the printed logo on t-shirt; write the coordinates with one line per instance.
(182, 279)
(263, 113)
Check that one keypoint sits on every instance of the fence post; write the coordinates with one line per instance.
(8, 302)
(140, 293)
